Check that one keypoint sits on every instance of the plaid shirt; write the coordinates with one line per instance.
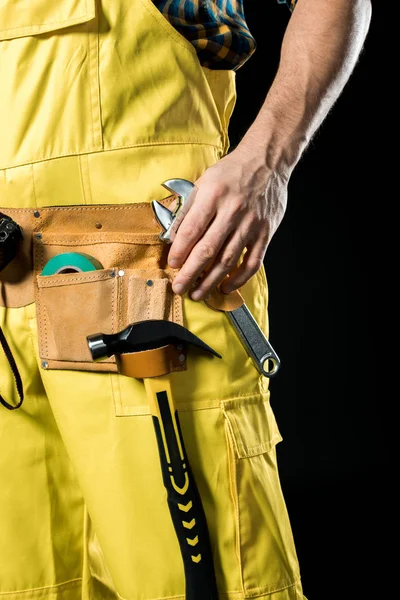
(216, 28)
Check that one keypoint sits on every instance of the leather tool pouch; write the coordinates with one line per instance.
(133, 285)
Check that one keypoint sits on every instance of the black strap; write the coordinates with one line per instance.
(14, 369)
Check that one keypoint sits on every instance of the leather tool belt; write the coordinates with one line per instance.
(133, 285)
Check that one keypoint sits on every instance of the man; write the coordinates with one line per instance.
(102, 102)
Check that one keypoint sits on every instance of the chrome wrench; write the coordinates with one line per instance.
(250, 334)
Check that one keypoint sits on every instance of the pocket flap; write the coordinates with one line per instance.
(252, 425)
(32, 17)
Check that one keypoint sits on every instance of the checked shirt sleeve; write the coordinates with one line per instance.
(290, 3)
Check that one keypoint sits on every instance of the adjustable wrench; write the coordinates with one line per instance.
(252, 337)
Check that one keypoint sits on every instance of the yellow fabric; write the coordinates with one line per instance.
(100, 103)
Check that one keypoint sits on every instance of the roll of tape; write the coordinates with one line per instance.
(71, 262)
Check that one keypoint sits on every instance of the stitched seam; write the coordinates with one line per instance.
(86, 208)
(89, 48)
(65, 239)
(160, 598)
(253, 400)
(32, 28)
(120, 302)
(171, 32)
(44, 322)
(264, 448)
(113, 291)
(115, 148)
(55, 588)
(82, 180)
(97, 82)
(74, 279)
(112, 381)
(235, 495)
(34, 185)
(266, 589)
(240, 594)
(184, 406)
(148, 300)
(88, 178)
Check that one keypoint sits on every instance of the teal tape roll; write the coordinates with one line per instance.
(71, 262)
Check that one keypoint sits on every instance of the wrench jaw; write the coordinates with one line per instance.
(170, 220)
(164, 218)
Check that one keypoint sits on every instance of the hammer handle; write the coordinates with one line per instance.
(183, 497)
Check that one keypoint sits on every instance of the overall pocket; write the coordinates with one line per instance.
(41, 16)
(71, 306)
(49, 104)
(265, 545)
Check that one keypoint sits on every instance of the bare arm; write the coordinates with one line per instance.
(320, 48)
(241, 200)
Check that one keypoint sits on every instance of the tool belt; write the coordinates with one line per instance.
(133, 285)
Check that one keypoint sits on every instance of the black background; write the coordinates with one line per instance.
(325, 304)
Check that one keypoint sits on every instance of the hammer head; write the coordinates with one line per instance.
(143, 335)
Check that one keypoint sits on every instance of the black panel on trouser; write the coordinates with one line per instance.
(186, 508)
(14, 369)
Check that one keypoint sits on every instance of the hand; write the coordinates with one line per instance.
(239, 204)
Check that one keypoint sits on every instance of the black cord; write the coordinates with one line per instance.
(14, 369)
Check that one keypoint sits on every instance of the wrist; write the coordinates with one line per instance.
(277, 142)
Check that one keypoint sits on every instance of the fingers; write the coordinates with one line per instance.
(227, 264)
(193, 226)
(221, 259)
(251, 263)
(202, 255)
(211, 239)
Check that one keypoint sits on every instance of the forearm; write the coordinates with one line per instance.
(320, 48)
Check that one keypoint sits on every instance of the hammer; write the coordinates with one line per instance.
(151, 350)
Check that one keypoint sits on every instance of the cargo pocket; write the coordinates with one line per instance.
(265, 546)
(53, 48)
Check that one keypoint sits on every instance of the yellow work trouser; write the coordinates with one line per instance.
(102, 101)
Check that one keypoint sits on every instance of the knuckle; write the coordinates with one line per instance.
(188, 230)
(237, 208)
(185, 277)
(228, 261)
(206, 251)
(254, 264)
(217, 188)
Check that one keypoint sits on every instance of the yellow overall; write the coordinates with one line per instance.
(101, 101)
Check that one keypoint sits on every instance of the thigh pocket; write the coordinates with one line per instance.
(71, 306)
(265, 546)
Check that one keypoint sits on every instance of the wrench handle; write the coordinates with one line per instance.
(254, 341)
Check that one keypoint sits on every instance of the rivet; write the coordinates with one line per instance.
(45, 364)
(179, 347)
(36, 213)
(121, 273)
(38, 236)
(99, 225)
(149, 282)
(112, 273)
(181, 357)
